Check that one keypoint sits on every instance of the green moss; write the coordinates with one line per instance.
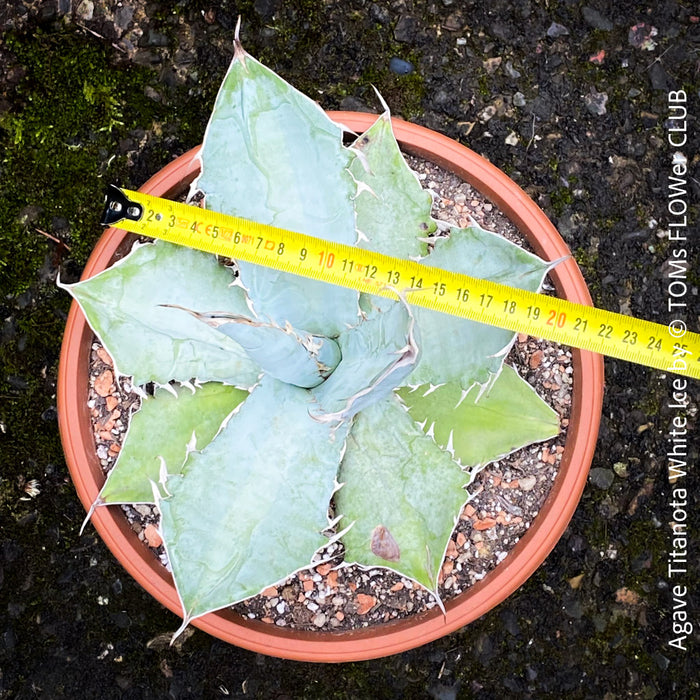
(561, 198)
(587, 260)
(652, 400)
(59, 143)
(483, 86)
(403, 93)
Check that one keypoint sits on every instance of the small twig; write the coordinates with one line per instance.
(658, 58)
(99, 36)
(509, 505)
(53, 238)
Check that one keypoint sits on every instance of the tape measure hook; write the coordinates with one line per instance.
(119, 207)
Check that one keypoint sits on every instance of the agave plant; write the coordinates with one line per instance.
(287, 411)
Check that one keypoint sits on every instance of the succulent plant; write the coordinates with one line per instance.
(287, 411)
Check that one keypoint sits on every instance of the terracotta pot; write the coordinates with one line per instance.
(393, 637)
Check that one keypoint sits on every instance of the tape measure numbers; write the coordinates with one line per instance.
(669, 348)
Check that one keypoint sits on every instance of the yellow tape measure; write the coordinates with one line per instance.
(670, 348)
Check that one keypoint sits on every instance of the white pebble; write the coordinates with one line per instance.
(527, 483)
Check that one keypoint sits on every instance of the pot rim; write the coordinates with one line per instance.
(392, 637)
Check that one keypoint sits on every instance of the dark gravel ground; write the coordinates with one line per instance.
(573, 101)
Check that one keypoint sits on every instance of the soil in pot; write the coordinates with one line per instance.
(507, 494)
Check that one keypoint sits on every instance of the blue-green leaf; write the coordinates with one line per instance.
(287, 354)
(271, 155)
(400, 492)
(393, 210)
(251, 508)
(479, 429)
(124, 306)
(455, 349)
(162, 432)
(377, 356)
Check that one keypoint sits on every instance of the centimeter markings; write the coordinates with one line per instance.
(672, 349)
